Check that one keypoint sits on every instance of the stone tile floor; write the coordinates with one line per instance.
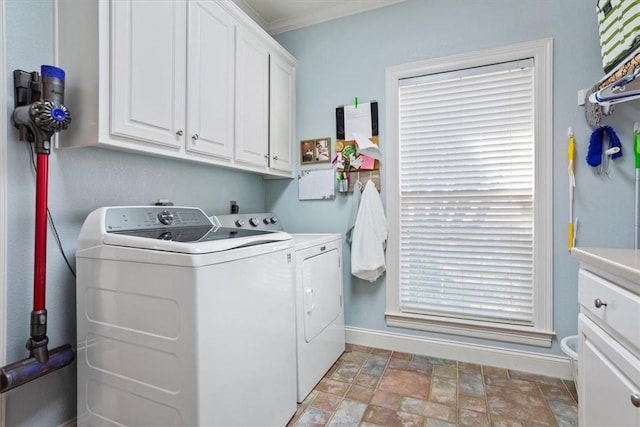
(372, 387)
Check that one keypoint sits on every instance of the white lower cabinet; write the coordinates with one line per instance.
(609, 380)
(172, 78)
(609, 331)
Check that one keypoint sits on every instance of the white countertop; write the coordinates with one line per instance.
(624, 263)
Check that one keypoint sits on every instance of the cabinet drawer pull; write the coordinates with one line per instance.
(179, 132)
(635, 399)
(599, 303)
(195, 137)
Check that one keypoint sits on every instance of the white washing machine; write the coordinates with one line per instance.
(319, 302)
(183, 322)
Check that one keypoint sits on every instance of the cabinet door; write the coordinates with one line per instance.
(148, 54)
(210, 80)
(281, 113)
(252, 100)
(608, 379)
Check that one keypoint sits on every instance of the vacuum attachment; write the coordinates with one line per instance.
(23, 371)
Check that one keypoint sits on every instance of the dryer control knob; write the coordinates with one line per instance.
(240, 222)
(254, 221)
(273, 220)
(165, 217)
(266, 220)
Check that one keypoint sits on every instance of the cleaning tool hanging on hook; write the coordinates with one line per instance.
(572, 184)
(636, 149)
(594, 154)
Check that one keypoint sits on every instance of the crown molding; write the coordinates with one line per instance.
(246, 8)
(326, 13)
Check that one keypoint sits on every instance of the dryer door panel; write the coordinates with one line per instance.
(321, 292)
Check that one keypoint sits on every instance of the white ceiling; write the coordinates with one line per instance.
(278, 16)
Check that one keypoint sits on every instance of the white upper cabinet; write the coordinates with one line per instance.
(182, 79)
(264, 105)
(210, 82)
(252, 100)
(148, 83)
(282, 113)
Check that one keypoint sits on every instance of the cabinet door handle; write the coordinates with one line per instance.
(275, 157)
(195, 137)
(179, 132)
(266, 156)
(599, 303)
(635, 399)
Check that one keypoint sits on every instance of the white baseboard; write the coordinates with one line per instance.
(535, 363)
(71, 423)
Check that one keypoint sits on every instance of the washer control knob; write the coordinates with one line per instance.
(165, 217)
(254, 221)
(273, 220)
(266, 220)
(240, 222)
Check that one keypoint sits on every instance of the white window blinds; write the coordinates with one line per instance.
(466, 193)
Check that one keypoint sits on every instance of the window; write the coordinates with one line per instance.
(470, 223)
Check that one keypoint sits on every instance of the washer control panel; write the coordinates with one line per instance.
(256, 221)
(129, 218)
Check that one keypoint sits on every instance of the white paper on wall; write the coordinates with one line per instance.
(316, 185)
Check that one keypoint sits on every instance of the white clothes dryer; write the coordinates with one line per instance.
(183, 322)
(319, 307)
(320, 336)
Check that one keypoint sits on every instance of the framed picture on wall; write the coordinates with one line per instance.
(315, 150)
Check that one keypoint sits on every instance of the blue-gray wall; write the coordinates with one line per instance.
(80, 181)
(337, 61)
(344, 58)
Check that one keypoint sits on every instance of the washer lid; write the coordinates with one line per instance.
(216, 239)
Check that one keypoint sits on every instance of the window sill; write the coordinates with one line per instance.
(474, 329)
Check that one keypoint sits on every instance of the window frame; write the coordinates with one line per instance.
(3, 212)
(541, 333)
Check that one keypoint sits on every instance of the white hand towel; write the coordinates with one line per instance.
(369, 236)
